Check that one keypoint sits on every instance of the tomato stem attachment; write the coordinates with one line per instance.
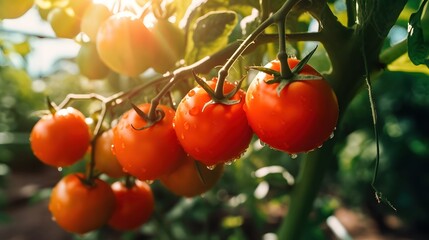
(52, 107)
(149, 121)
(224, 99)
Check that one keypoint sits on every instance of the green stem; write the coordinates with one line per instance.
(282, 55)
(223, 72)
(305, 191)
(394, 52)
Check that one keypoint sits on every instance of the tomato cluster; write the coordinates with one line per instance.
(185, 147)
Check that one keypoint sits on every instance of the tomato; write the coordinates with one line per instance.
(60, 139)
(134, 205)
(79, 6)
(105, 161)
(14, 8)
(80, 208)
(148, 153)
(89, 62)
(300, 119)
(125, 44)
(64, 22)
(186, 181)
(92, 18)
(170, 45)
(217, 134)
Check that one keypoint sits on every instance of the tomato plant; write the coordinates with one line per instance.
(191, 178)
(143, 152)
(79, 208)
(213, 133)
(134, 205)
(297, 119)
(60, 139)
(125, 44)
(105, 161)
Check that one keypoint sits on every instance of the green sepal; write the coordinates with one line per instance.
(149, 122)
(52, 107)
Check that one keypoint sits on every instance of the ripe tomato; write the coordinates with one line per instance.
(134, 206)
(125, 44)
(89, 62)
(186, 181)
(170, 45)
(80, 208)
(92, 18)
(217, 134)
(14, 8)
(64, 22)
(300, 119)
(148, 153)
(60, 139)
(105, 161)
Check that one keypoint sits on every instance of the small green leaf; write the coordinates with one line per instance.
(212, 26)
(418, 46)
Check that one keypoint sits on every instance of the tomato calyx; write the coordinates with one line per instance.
(224, 99)
(159, 115)
(283, 81)
(51, 106)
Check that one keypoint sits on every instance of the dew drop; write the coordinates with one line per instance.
(191, 93)
(113, 150)
(194, 111)
(186, 125)
(60, 169)
(211, 167)
(331, 136)
(320, 146)
(293, 155)
(182, 136)
(53, 219)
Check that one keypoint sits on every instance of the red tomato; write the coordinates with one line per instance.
(80, 208)
(218, 134)
(148, 153)
(186, 181)
(134, 206)
(60, 139)
(300, 119)
(105, 161)
(125, 44)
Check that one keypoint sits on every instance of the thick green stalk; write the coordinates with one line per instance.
(305, 191)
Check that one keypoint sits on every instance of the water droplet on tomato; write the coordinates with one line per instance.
(211, 167)
(331, 136)
(191, 93)
(60, 169)
(113, 150)
(182, 136)
(186, 125)
(53, 219)
(194, 111)
(321, 145)
(293, 155)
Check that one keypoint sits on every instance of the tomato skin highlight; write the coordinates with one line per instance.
(301, 119)
(79, 208)
(148, 153)
(185, 180)
(134, 206)
(60, 139)
(218, 134)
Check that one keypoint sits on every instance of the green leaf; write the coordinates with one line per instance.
(418, 46)
(211, 32)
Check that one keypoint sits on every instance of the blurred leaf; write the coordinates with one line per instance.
(404, 64)
(211, 33)
(418, 46)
